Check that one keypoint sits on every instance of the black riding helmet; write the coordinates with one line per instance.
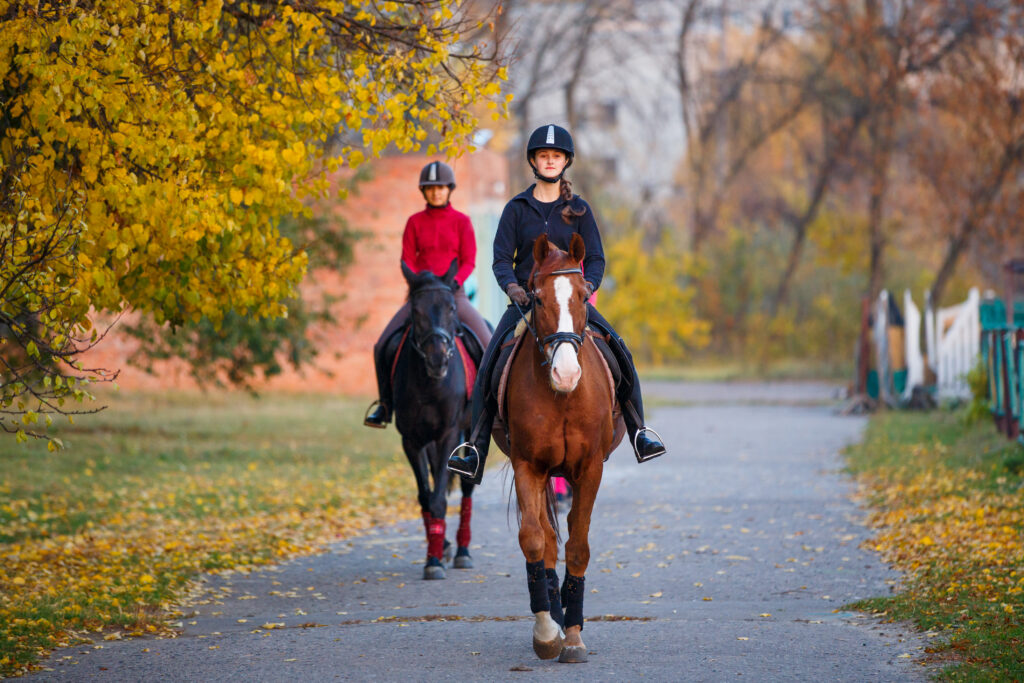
(550, 137)
(437, 173)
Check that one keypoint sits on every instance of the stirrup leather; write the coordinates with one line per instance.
(464, 472)
(636, 451)
(366, 416)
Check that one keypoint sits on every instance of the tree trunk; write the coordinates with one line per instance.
(835, 152)
(881, 129)
(978, 208)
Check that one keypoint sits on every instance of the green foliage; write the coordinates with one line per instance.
(240, 350)
(650, 303)
(978, 408)
(150, 151)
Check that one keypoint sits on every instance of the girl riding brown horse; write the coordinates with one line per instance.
(549, 209)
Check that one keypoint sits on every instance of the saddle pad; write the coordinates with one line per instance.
(468, 367)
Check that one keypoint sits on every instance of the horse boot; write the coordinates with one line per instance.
(468, 458)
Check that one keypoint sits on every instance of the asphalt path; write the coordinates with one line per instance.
(731, 558)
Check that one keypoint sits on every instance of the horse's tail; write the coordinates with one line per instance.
(551, 501)
(552, 505)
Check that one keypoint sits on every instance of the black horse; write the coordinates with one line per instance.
(431, 413)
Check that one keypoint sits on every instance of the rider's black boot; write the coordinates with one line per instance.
(646, 443)
(378, 416)
(468, 458)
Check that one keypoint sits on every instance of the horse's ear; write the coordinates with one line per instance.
(449, 277)
(407, 273)
(541, 248)
(577, 249)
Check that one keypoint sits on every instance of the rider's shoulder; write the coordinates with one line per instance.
(523, 196)
(457, 215)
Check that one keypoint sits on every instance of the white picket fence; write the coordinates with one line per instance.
(952, 343)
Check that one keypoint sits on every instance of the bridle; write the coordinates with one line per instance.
(558, 337)
(447, 338)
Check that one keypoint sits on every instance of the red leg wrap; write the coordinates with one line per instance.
(463, 535)
(435, 538)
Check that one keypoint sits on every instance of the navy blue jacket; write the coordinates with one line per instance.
(524, 219)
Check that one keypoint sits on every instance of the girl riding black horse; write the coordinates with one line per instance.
(547, 208)
(422, 378)
(432, 239)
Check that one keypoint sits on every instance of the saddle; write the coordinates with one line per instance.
(498, 384)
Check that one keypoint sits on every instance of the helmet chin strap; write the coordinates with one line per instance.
(538, 176)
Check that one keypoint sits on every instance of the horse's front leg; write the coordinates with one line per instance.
(438, 548)
(418, 462)
(530, 484)
(577, 557)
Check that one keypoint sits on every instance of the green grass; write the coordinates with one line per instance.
(160, 486)
(948, 505)
(728, 370)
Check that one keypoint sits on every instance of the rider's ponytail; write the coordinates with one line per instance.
(568, 213)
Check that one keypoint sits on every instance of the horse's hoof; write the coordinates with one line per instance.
(433, 570)
(463, 560)
(574, 654)
(448, 552)
(548, 650)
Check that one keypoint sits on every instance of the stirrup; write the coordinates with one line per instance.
(636, 451)
(463, 472)
(366, 416)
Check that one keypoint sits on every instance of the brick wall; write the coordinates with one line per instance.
(373, 285)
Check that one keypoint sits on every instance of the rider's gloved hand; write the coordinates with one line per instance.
(517, 294)
(590, 288)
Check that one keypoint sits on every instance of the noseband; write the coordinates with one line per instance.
(447, 338)
(558, 337)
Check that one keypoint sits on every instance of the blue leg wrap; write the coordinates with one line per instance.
(536, 581)
(572, 600)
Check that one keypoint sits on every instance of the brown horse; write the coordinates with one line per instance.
(560, 422)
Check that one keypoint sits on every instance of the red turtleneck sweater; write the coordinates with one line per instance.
(433, 237)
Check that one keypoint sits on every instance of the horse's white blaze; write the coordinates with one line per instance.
(565, 366)
(545, 629)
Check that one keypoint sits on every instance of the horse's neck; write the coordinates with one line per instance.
(413, 370)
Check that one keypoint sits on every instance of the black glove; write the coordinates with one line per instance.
(590, 288)
(517, 294)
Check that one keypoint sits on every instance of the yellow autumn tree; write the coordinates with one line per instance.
(649, 302)
(149, 151)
